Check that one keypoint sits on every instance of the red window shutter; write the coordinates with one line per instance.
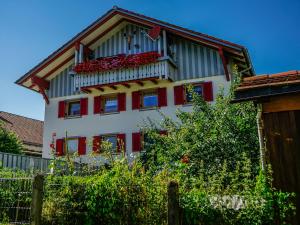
(136, 99)
(136, 142)
(162, 97)
(81, 146)
(61, 109)
(121, 142)
(179, 95)
(163, 132)
(83, 106)
(96, 144)
(208, 91)
(97, 105)
(59, 147)
(122, 102)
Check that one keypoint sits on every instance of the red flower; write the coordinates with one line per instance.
(116, 62)
(185, 159)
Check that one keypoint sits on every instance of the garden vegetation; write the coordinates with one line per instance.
(211, 152)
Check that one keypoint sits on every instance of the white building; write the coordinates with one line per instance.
(121, 70)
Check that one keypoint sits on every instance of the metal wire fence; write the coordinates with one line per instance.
(58, 209)
(15, 200)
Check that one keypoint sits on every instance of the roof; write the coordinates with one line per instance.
(50, 66)
(266, 85)
(29, 131)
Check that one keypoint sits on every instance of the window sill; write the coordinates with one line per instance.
(109, 113)
(72, 117)
(150, 108)
(187, 104)
(103, 153)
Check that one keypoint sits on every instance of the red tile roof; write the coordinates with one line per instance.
(30, 131)
(266, 80)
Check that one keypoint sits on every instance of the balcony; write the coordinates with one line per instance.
(161, 69)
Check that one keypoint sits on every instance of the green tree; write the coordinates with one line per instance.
(211, 134)
(9, 142)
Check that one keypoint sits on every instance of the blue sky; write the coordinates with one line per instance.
(30, 30)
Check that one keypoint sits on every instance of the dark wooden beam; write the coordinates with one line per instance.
(126, 85)
(224, 61)
(154, 81)
(140, 83)
(40, 82)
(86, 91)
(100, 89)
(42, 91)
(113, 87)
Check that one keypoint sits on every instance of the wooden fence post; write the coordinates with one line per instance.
(37, 199)
(173, 203)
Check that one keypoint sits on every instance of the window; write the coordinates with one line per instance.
(149, 99)
(198, 89)
(111, 139)
(110, 104)
(73, 108)
(72, 145)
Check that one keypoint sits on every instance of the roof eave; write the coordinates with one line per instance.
(63, 47)
(108, 15)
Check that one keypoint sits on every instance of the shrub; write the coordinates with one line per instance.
(127, 194)
(121, 195)
(209, 133)
(9, 142)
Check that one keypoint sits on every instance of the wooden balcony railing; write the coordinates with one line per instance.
(162, 69)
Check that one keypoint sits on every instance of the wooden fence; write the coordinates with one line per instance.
(26, 204)
(23, 162)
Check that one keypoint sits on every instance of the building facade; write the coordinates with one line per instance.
(122, 71)
(29, 132)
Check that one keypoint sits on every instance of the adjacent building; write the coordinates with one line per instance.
(121, 71)
(29, 131)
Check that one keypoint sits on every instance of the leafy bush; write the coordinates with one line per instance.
(212, 152)
(121, 195)
(9, 142)
(209, 133)
(126, 194)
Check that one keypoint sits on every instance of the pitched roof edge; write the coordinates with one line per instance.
(224, 42)
(21, 116)
(53, 54)
(112, 12)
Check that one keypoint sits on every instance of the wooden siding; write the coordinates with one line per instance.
(117, 43)
(193, 60)
(282, 132)
(62, 84)
(196, 61)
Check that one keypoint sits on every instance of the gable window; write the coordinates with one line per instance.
(73, 108)
(197, 88)
(149, 99)
(110, 104)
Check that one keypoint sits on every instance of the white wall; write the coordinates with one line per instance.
(126, 122)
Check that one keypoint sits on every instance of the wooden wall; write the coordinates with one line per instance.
(282, 132)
